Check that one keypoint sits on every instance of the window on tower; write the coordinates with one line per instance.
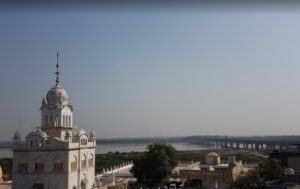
(91, 160)
(22, 167)
(58, 167)
(38, 186)
(51, 120)
(91, 163)
(56, 121)
(39, 167)
(83, 162)
(83, 141)
(73, 165)
(67, 121)
(46, 121)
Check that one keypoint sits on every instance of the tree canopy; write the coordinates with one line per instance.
(269, 169)
(156, 165)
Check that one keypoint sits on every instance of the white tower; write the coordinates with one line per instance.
(54, 156)
(57, 109)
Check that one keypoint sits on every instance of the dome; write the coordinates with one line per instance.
(58, 96)
(37, 132)
(212, 154)
(41, 133)
(17, 135)
(16, 138)
(82, 132)
(212, 159)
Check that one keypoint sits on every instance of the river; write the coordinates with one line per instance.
(122, 147)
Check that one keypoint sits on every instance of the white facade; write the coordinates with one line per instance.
(55, 156)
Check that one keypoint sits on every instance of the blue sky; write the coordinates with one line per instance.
(172, 73)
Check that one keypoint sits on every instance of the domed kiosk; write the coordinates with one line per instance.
(212, 173)
(212, 158)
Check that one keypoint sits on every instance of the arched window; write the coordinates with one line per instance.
(83, 185)
(91, 160)
(83, 182)
(64, 120)
(70, 121)
(51, 120)
(56, 121)
(22, 165)
(73, 163)
(67, 121)
(46, 120)
(83, 161)
(58, 166)
(39, 165)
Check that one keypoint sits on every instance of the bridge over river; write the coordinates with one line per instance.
(280, 143)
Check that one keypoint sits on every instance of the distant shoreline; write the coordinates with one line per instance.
(181, 139)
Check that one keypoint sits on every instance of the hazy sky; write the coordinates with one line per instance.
(161, 73)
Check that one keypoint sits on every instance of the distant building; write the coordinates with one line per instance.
(54, 156)
(212, 174)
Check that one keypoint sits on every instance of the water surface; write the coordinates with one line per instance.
(121, 147)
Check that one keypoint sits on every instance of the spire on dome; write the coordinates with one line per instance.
(57, 69)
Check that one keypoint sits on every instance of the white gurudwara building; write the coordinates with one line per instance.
(54, 155)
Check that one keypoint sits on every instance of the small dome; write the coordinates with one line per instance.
(82, 132)
(212, 159)
(16, 138)
(41, 133)
(16, 135)
(58, 96)
(212, 154)
(37, 132)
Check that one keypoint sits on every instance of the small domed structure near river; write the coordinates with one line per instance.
(212, 173)
(212, 158)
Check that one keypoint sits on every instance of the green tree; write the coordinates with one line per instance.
(271, 169)
(155, 166)
(251, 181)
(268, 169)
(6, 165)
